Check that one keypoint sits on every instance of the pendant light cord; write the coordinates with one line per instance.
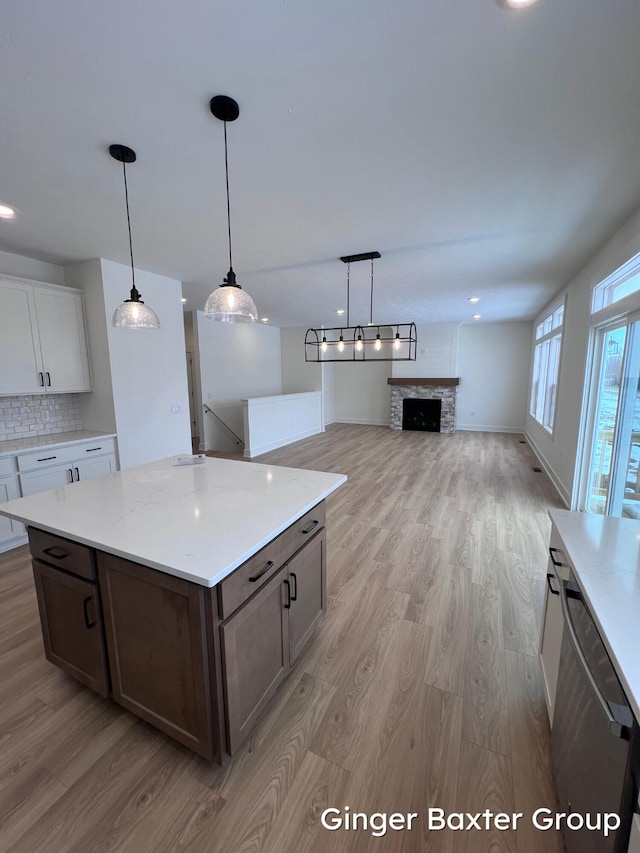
(226, 172)
(126, 199)
(371, 308)
(348, 271)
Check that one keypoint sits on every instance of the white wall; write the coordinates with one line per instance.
(329, 393)
(559, 452)
(493, 365)
(362, 395)
(148, 369)
(136, 375)
(298, 375)
(236, 362)
(20, 265)
(436, 353)
(97, 409)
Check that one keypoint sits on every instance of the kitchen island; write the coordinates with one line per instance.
(184, 592)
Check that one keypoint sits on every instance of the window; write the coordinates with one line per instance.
(546, 367)
(623, 282)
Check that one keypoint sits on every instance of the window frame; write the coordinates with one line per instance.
(548, 329)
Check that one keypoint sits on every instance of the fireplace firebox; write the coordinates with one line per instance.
(421, 414)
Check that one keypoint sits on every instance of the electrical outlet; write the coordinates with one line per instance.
(473, 414)
(176, 408)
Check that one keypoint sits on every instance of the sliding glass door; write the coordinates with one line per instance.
(612, 486)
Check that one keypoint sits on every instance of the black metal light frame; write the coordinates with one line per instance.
(379, 342)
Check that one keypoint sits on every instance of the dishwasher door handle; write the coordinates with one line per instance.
(616, 727)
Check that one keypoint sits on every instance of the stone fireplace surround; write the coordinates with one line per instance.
(425, 389)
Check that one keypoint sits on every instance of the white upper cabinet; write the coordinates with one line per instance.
(43, 346)
(20, 360)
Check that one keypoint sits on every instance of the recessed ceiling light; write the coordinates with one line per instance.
(6, 212)
(183, 300)
(340, 311)
(474, 299)
(476, 316)
(515, 4)
(264, 319)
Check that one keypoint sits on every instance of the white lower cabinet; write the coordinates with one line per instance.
(50, 478)
(9, 529)
(50, 467)
(65, 464)
(634, 840)
(552, 622)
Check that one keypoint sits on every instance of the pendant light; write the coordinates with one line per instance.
(383, 342)
(132, 313)
(229, 303)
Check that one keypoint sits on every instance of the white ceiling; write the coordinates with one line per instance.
(482, 151)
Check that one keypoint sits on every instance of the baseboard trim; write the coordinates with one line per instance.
(14, 543)
(485, 428)
(566, 497)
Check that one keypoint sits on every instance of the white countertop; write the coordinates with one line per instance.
(37, 442)
(198, 522)
(605, 553)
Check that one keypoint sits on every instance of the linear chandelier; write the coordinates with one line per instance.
(382, 342)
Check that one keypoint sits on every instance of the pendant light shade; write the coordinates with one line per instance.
(132, 313)
(229, 303)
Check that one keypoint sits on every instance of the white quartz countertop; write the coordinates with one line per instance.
(605, 553)
(198, 522)
(18, 445)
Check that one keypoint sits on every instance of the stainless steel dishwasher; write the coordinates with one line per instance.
(591, 727)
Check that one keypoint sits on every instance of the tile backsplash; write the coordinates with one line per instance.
(39, 414)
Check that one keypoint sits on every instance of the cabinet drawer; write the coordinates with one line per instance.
(63, 453)
(243, 582)
(7, 465)
(70, 556)
(72, 629)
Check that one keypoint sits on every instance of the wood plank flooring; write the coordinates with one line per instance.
(421, 688)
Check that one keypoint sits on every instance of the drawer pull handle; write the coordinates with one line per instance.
(262, 572)
(48, 379)
(294, 595)
(310, 527)
(551, 577)
(41, 379)
(51, 552)
(287, 605)
(46, 458)
(91, 449)
(77, 475)
(555, 562)
(85, 607)
(70, 474)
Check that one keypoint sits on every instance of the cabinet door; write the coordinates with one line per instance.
(72, 628)
(62, 340)
(255, 657)
(158, 656)
(552, 627)
(307, 580)
(87, 469)
(21, 370)
(51, 478)
(9, 529)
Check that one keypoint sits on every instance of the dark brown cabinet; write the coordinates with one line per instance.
(263, 639)
(158, 655)
(199, 663)
(307, 587)
(72, 630)
(255, 650)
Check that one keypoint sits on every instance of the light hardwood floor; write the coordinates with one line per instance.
(420, 689)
